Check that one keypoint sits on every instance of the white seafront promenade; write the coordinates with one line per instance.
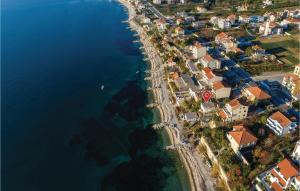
(198, 172)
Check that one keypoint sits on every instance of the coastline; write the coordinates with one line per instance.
(166, 112)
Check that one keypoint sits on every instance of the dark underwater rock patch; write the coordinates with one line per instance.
(145, 169)
(128, 103)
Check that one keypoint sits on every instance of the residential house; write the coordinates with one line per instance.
(292, 84)
(182, 14)
(281, 177)
(146, 20)
(214, 20)
(209, 77)
(161, 24)
(254, 93)
(198, 24)
(179, 31)
(201, 9)
(296, 153)
(192, 67)
(171, 62)
(257, 19)
(240, 137)
(296, 182)
(270, 28)
(173, 76)
(220, 90)
(233, 111)
(244, 19)
(232, 19)
(207, 108)
(228, 42)
(198, 50)
(297, 70)
(179, 21)
(190, 117)
(292, 22)
(257, 52)
(158, 2)
(189, 19)
(223, 23)
(280, 124)
(267, 3)
(208, 61)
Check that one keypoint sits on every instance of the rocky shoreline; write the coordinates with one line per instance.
(164, 106)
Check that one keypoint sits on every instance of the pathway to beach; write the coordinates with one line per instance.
(199, 173)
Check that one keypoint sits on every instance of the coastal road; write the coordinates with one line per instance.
(155, 11)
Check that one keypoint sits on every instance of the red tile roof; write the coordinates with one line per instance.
(218, 85)
(208, 58)
(242, 137)
(281, 119)
(223, 114)
(208, 72)
(293, 20)
(276, 187)
(238, 127)
(292, 77)
(234, 103)
(287, 169)
(281, 181)
(222, 35)
(198, 45)
(258, 93)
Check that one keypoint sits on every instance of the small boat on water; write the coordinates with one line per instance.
(102, 87)
(137, 72)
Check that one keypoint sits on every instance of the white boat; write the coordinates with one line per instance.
(102, 87)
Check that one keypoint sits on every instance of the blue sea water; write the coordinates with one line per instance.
(60, 131)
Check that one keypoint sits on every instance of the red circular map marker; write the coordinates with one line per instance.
(206, 95)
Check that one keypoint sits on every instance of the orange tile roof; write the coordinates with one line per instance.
(238, 127)
(275, 174)
(293, 20)
(242, 137)
(281, 119)
(161, 21)
(177, 29)
(198, 45)
(292, 77)
(276, 186)
(287, 169)
(298, 178)
(179, 20)
(222, 35)
(208, 58)
(208, 72)
(223, 114)
(218, 85)
(174, 75)
(256, 47)
(258, 93)
(234, 103)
